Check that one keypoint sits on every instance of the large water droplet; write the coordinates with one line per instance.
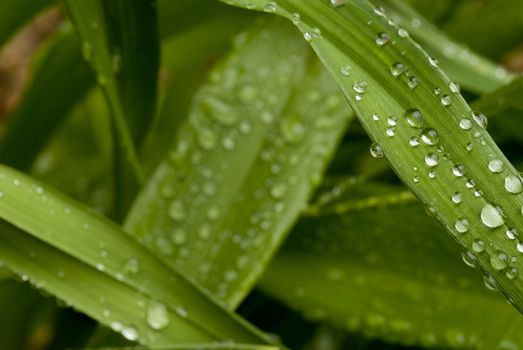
(513, 184)
(491, 216)
(397, 69)
(499, 260)
(431, 159)
(457, 198)
(478, 246)
(414, 118)
(481, 120)
(495, 166)
(465, 124)
(462, 225)
(360, 86)
(430, 137)
(458, 170)
(376, 150)
(382, 39)
(157, 316)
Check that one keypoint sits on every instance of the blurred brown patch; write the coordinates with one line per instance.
(17, 54)
(514, 59)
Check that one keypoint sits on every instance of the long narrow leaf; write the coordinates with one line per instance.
(64, 236)
(258, 136)
(433, 140)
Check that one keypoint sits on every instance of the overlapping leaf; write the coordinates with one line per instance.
(390, 273)
(66, 250)
(433, 140)
(256, 141)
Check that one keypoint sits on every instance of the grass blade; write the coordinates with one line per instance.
(93, 251)
(475, 73)
(405, 284)
(244, 163)
(205, 346)
(452, 151)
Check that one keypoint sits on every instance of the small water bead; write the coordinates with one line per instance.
(337, 3)
(382, 39)
(462, 225)
(380, 11)
(490, 283)
(295, 18)
(376, 117)
(177, 211)
(392, 121)
(454, 87)
(376, 150)
(513, 184)
(478, 193)
(469, 259)
(458, 170)
(446, 100)
(512, 233)
(433, 62)
(457, 198)
(499, 260)
(431, 159)
(495, 166)
(437, 91)
(519, 246)
(414, 118)
(470, 146)
(397, 69)
(130, 333)
(465, 124)
(390, 131)
(414, 141)
(512, 273)
(481, 120)
(307, 36)
(403, 33)
(345, 70)
(360, 86)
(479, 245)
(470, 183)
(492, 216)
(416, 179)
(432, 174)
(412, 82)
(132, 266)
(278, 190)
(430, 136)
(271, 7)
(157, 316)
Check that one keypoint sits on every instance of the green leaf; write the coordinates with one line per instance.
(201, 44)
(47, 101)
(390, 272)
(257, 139)
(120, 39)
(15, 13)
(446, 158)
(475, 73)
(205, 346)
(64, 249)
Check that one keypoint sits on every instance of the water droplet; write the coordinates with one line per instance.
(454, 87)
(360, 86)
(278, 190)
(469, 259)
(414, 141)
(446, 100)
(402, 32)
(470, 183)
(457, 198)
(412, 82)
(478, 245)
(130, 333)
(157, 316)
(382, 39)
(430, 136)
(499, 260)
(414, 118)
(495, 166)
(491, 216)
(345, 70)
(177, 211)
(132, 266)
(462, 225)
(512, 233)
(512, 273)
(481, 120)
(337, 3)
(376, 117)
(295, 18)
(392, 121)
(376, 150)
(433, 62)
(465, 124)
(397, 69)
(458, 170)
(513, 184)
(390, 131)
(431, 159)
(490, 283)
(271, 6)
